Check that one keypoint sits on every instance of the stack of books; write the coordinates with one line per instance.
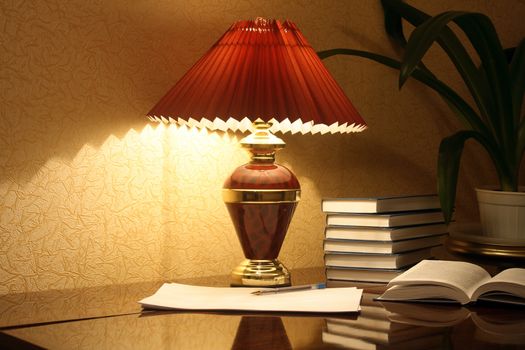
(373, 240)
(373, 329)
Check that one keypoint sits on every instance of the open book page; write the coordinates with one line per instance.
(439, 279)
(186, 297)
(510, 281)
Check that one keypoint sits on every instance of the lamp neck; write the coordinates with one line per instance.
(261, 143)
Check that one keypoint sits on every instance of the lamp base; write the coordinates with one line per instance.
(260, 273)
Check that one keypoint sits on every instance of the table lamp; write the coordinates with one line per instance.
(260, 76)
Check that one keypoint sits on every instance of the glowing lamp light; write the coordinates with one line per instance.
(261, 76)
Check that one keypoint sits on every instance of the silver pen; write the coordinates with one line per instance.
(290, 289)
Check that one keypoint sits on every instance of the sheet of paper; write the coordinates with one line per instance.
(186, 297)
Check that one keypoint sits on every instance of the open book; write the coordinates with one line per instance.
(456, 281)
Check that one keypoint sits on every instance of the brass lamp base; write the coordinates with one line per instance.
(260, 273)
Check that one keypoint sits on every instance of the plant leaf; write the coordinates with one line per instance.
(455, 102)
(462, 109)
(521, 145)
(509, 53)
(420, 41)
(477, 85)
(410, 13)
(393, 25)
(394, 29)
(450, 150)
(485, 40)
(517, 76)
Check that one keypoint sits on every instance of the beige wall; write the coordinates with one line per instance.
(90, 194)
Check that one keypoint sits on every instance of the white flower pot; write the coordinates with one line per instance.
(502, 214)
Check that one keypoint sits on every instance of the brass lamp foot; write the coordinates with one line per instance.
(260, 273)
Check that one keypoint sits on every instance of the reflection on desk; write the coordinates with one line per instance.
(166, 330)
(378, 326)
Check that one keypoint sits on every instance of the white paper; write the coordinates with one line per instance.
(186, 297)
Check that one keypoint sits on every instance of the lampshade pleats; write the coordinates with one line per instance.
(260, 69)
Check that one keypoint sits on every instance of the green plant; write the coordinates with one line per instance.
(497, 87)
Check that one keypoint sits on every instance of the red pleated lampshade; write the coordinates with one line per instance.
(260, 69)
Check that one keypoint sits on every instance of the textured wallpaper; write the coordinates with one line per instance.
(92, 194)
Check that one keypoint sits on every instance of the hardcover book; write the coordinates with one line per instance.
(358, 284)
(380, 204)
(456, 282)
(385, 247)
(383, 261)
(362, 274)
(386, 220)
(383, 233)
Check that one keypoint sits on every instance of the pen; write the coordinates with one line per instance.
(290, 289)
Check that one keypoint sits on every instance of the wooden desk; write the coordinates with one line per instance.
(110, 318)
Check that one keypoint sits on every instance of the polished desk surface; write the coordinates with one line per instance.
(110, 318)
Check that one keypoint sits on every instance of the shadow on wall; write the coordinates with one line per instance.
(75, 72)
